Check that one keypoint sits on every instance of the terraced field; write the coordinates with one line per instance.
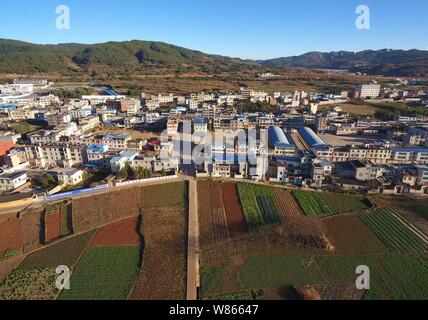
(395, 233)
(106, 261)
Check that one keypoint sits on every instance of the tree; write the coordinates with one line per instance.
(163, 172)
(48, 180)
(127, 173)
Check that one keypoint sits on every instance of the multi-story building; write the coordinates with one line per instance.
(365, 91)
(34, 82)
(321, 123)
(22, 114)
(16, 89)
(80, 113)
(44, 136)
(56, 155)
(55, 120)
(9, 182)
(89, 123)
(409, 156)
(378, 154)
(96, 153)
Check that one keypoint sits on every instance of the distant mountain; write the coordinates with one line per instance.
(23, 57)
(135, 56)
(384, 62)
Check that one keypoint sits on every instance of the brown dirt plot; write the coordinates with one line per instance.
(235, 216)
(122, 233)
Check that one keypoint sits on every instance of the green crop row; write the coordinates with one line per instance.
(323, 204)
(393, 233)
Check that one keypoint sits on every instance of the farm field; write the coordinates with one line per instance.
(121, 233)
(251, 210)
(421, 210)
(324, 204)
(240, 296)
(112, 248)
(65, 220)
(267, 204)
(10, 237)
(221, 230)
(288, 206)
(109, 207)
(31, 221)
(165, 235)
(213, 222)
(393, 276)
(262, 272)
(259, 206)
(164, 195)
(104, 273)
(235, 216)
(65, 253)
(350, 236)
(52, 222)
(271, 271)
(397, 235)
(206, 225)
(29, 284)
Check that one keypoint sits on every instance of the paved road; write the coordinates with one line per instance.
(193, 278)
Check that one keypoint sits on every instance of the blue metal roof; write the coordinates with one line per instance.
(277, 137)
(311, 138)
(404, 149)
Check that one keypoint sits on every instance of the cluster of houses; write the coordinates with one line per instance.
(283, 139)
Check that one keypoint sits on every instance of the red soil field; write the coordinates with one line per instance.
(235, 216)
(10, 234)
(221, 230)
(52, 231)
(122, 233)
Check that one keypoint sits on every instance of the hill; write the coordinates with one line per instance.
(23, 57)
(383, 62)
(137, 56)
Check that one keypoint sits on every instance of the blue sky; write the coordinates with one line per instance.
(255, 29)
